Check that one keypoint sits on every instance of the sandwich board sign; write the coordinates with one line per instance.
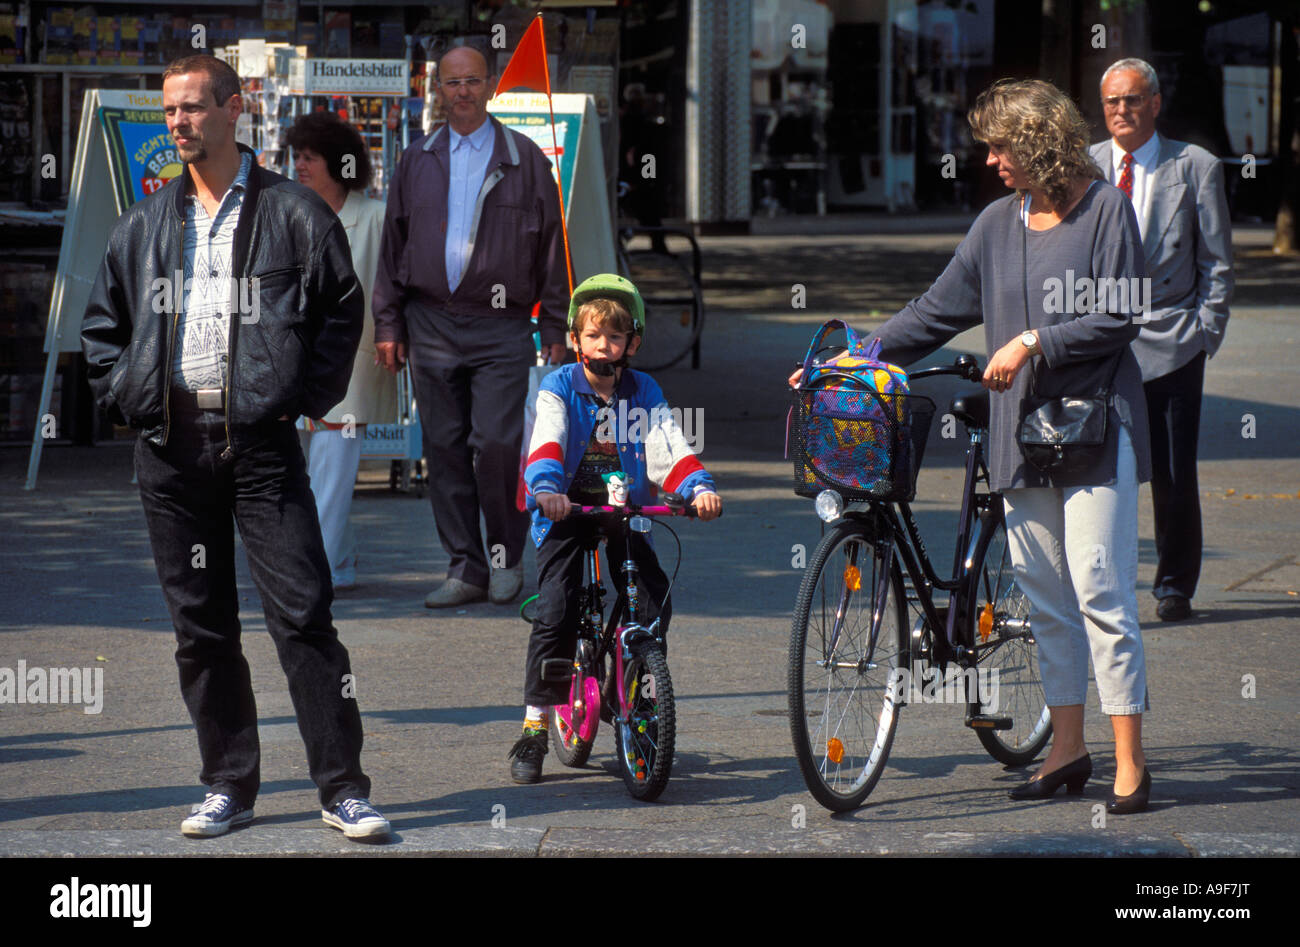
(581, 167)
(122, 142)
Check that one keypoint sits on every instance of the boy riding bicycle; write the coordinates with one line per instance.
(581, 440)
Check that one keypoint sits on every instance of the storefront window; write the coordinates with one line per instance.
(860, 104)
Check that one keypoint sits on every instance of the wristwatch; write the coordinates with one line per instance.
(1030, 342)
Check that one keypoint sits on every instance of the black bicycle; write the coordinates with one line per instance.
(855, 661)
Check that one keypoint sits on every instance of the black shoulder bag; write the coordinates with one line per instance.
(1060, 435)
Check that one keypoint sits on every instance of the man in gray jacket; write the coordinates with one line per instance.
(1178, 195)
(471, 241)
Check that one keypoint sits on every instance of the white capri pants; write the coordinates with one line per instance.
(332, 463)
(1075, 551)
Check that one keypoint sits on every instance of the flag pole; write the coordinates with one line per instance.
(555, 144)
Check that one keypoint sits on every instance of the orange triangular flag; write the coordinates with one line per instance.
(527, 66)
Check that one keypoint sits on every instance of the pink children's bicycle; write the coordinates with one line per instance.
(619, 673)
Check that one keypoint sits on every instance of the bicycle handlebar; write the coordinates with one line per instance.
(633, 510)
(965, 367)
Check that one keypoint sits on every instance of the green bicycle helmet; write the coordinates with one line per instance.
(609, 286)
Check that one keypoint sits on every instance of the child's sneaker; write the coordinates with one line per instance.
(528, 752)
(217, 814)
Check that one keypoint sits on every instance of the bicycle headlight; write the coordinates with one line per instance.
(829, 505)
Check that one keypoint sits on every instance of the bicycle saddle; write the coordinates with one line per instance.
(972, 408)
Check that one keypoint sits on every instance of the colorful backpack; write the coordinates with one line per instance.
(853, 423)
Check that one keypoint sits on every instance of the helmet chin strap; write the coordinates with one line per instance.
(604, 367)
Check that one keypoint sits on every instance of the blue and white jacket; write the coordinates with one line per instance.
(653, 451)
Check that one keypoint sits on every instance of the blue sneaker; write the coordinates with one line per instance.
(357, 818)
(217, 814)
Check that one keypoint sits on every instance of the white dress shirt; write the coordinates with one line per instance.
(469, 160)
(1144, 165)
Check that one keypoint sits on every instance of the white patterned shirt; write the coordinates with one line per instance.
(204, 331)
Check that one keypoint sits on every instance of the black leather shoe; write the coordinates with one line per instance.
(1174, 608)
(1135, 801)
(1072, 777)
(528, 753)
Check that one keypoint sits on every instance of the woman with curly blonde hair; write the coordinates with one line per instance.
(1029, 270)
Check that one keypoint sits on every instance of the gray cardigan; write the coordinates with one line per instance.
(985, 282)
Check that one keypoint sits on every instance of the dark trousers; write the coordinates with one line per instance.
(559, 577)
(192, 501)
(471, 379)
(1174, 415)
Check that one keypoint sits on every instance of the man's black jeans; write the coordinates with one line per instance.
(192, 501)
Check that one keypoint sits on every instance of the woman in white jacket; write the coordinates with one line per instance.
(331, 159)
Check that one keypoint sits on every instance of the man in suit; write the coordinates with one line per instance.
(1178, 196)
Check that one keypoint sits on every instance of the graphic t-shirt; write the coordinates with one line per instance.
(599, 458)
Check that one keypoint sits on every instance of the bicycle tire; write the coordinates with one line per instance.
(674, 306)
(1012, 654)
(644, 740)
(843, 720)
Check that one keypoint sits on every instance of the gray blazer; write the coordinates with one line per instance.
(1188, 246)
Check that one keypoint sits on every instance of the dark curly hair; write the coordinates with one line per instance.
(1041, 129)
(333, 139)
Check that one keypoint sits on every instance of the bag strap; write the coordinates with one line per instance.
(856, 345)
(1022, 221)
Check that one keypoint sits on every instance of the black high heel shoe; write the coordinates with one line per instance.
(1135, 801)
(1072, 776)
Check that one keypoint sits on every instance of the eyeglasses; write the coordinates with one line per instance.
(473, 83)
(1111, 102)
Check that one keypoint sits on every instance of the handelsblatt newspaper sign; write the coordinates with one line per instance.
(348, 77)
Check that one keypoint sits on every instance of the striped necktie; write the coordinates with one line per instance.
(1126, 175)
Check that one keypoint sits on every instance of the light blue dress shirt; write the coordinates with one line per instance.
(469, 160)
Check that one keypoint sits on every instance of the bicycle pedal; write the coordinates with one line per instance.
(557, 670)
(989, 722)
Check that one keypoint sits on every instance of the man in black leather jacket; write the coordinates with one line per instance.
(226, 305)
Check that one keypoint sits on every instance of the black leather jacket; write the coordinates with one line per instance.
(291, 350)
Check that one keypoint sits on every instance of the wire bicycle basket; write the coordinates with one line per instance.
(863, 444)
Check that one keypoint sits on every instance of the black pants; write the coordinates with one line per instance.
(471, 379)
(192, 501)
(559, 577)
(1174, 415)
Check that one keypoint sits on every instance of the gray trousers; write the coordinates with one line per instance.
(471, 379)
(1075, 552)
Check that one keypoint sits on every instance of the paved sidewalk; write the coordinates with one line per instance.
(440, 693)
